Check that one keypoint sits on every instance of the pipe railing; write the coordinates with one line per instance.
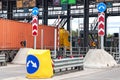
(82, 51)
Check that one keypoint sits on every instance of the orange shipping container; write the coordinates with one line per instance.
(13, 33)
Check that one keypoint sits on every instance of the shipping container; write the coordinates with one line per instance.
(13, 33)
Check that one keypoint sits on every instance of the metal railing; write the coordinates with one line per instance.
(82, 51)
(76, 52)
(65, 63)
(2, 60)
(114, 51)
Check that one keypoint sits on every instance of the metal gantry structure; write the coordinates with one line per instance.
(82, 9)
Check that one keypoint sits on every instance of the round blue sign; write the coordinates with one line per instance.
(32, 64)
(101, 7)
(35, 11)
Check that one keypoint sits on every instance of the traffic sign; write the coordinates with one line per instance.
(68, 1)
(35, 26)
(101, 25)
(71, 1)
(35, 11)
(64, 1)
(101, 7)
(32, 64)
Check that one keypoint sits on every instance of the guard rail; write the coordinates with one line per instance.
(2, 60)
(65, 63)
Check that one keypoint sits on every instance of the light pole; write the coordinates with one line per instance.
(71, 36)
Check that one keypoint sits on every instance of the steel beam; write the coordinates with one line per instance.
(45, 12)
(68, 18)
(86, 22)
(105, 36)
(9, 10)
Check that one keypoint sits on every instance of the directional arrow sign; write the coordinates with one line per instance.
(35, 19)
(101, 17)
(101, 26)
(32, 64)
(101, 7)
(101, 32)
(35, 11)
(35, 30)
(35, 26)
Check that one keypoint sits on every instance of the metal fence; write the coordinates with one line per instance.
(82, 51)
(114, 51)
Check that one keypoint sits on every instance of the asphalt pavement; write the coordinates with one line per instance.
(18, 72)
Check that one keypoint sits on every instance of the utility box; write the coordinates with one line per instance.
(39, 64)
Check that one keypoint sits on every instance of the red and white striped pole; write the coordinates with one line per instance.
(35, 29)
(101, 27)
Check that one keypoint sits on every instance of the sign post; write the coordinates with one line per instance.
(35, 24)
(119, 42)
(101, 22)
(101, 27)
